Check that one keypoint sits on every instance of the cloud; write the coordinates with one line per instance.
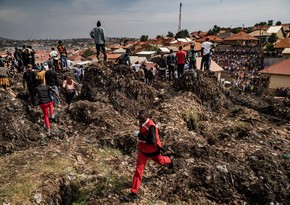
(132, 18)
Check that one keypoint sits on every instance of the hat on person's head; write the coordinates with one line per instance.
(98, 23)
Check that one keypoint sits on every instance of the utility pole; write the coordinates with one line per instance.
(179, 22)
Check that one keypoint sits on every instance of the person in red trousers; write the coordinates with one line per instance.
(45, 102)
(149, 147)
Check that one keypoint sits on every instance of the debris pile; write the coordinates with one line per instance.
(226, 151)
(118, 87)
(207, 90)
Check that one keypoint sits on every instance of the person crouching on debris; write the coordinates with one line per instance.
(149, 146)
(45, 102)
(70, 88)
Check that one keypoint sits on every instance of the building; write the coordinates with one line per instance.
(286, 53)
(214, 67)
(262, 35)
(282, 44)
(213, 39)
(278, 30)
(241, 39)
(147, 54)
(279, 74)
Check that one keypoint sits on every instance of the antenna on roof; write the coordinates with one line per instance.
(179, 22)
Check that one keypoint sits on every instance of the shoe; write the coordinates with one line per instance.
(131, 197)
(171, 165)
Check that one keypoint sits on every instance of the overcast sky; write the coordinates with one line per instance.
(61, 19)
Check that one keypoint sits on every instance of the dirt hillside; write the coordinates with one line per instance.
(229, 149)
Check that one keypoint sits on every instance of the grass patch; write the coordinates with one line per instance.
(20, 179)
(192, 119)
(241, 124)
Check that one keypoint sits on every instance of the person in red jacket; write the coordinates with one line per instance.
(149, 147)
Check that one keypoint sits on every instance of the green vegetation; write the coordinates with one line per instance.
(192, 119)
(170, 34)
(182, 34)
(19, 184)
(88, 52)
(144, 38)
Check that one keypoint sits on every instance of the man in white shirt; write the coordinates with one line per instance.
(205, 52)
(136, 66)
(54, 55)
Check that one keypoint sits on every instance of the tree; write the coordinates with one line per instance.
(170, 34)
(249, 29)
(273, 38)
(236, 30)
(182, 34)
(144, 38)
(262, 23)
(278, 23)
(88, 52)
(214, 31)
(269, 47)
(270, 22)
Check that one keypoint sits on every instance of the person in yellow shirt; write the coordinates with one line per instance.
(41, 75)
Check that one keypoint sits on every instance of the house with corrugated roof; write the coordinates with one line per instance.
(212, 38)
(278, 30)
(225, 35)
(286, 53)
(278, 73)
(119, 51)
(262, 35)
(242, 39)
(281, 44)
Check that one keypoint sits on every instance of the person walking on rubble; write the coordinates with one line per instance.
(191, 57)
(171, 61)
(52, 80)
(180, 56)
(29, 79)
(54, 56)
(63, 55)
(70, 88)
(45, 102)
(205, 52)
(149, 147)
(98, 34)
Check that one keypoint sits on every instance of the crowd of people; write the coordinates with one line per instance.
(243, 67)
(282, 92)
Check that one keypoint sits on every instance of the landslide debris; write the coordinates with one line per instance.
(226, 152)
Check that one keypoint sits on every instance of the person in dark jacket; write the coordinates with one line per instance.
(149, 147)
(45, 102)
(52, 80)
(18, 58)
(29, 81)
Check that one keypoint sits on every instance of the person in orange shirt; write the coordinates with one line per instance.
(180, 59)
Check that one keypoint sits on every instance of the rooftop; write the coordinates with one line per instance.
(281, 68)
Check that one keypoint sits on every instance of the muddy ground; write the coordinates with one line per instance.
(228, 148)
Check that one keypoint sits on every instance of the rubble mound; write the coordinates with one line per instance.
(118, 87)
(275, 109)
(206, 89)
(17, 122)
(234, 156)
